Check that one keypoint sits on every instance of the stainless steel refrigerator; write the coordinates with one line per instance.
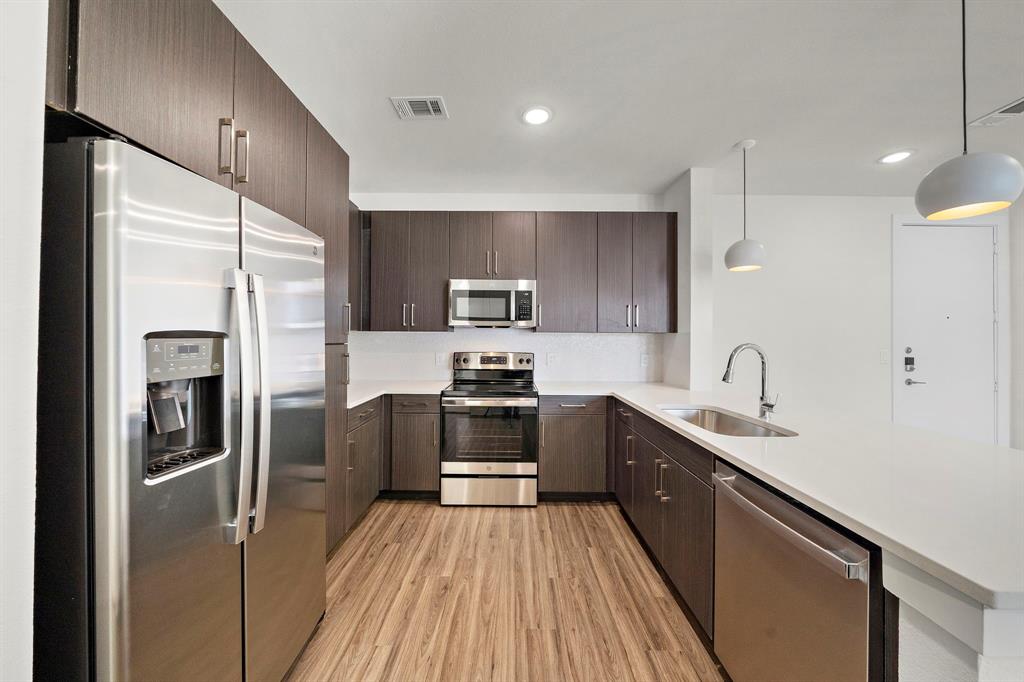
(180, 509)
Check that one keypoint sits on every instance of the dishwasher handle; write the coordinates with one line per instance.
(850, 570)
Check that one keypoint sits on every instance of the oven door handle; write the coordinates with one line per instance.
(489, 402)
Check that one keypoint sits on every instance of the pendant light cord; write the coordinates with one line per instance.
(744, 192)
(963, 64)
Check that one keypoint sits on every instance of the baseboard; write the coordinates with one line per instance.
(576, 497)
(409, 495)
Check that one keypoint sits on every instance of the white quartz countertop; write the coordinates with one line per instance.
(951, 507)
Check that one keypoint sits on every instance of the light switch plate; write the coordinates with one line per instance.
(883, 356)
(552, 359)
(440, 359)
(645, 359)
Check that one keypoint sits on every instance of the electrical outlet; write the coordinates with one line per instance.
(883, 356)
(552, 359)
(645, 359)
(440, 359)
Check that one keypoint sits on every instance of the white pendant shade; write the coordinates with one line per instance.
(745, 255)
(970, 185)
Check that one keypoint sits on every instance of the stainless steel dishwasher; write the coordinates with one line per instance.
(792, 598)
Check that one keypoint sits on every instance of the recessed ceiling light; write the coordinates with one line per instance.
(896, 157)
(537, 115)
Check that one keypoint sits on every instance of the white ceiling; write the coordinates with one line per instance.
(641, 91)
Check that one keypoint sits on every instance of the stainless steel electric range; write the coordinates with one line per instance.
(489, 418)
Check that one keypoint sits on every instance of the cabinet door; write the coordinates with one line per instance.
(646, 479)
(327, 215)
(415, 454)
(625, 442)
(270, 159)
(514, 246)
(572, 457)
(654, 272)
(614, 272)
(355, 314)
(363, 469)
(687, 531)
(337, 453)
(389, 268)
(567, 272)
(161, 74)
(470, 244)
(428, 271)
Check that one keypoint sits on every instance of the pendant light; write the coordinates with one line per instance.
(745, 255)
(970, 184)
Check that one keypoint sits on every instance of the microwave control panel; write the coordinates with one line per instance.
(524, 305)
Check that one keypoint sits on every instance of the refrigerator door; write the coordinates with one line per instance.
(285, 579)
(167, 581)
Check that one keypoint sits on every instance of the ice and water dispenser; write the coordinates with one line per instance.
(186, 416)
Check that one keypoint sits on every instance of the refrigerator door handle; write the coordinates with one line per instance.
(235, 280)
(266, 399)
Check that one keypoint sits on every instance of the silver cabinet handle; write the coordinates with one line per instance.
(364, 413)
(664, 497)
(350, 458)
(225, 160)
(495, 261)
(911, 382)
(625, 414)
(629, 451)
(403, 315)
(851, 570)
(433, 429)
(629, 317)
(542, 424)
(406, 403)
(243, 158)
(636, 316)
(266, 402)
(571, 405)
(540, 315)
(348, 317)
(348, 369)
(412, 315)
(488, 261)
(235, 280)
(657, 470)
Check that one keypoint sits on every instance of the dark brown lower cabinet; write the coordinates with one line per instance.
(572, 453)
(687, 550)
(336, 455)
(415, 451)
(673, 511)
(363, 470)
(625, 441)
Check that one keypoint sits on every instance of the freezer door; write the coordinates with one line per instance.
(167, 581)
(285, 580)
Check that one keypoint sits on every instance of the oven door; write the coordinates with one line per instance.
(489, 436)
(473, 307)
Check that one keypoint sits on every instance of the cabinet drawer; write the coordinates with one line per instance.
(360, 414)
(573, 404)
(423, 404)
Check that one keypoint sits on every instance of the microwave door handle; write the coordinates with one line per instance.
(235, 280)
(266, 402)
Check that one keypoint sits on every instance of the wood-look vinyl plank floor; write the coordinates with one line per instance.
(559, 592)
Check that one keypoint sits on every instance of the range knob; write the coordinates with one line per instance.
(520, 361)
(528, 360)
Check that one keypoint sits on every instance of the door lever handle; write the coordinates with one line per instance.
(911, 382)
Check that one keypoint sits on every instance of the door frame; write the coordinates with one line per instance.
(999, 224)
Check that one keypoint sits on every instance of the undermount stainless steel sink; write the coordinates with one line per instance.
(724, 422)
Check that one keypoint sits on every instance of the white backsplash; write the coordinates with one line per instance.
(559, 357)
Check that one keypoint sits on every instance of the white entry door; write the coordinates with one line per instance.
(944, 336)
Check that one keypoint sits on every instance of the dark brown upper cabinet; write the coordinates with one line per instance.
(408, 271)
(514, 245)
(327, 214)
(500, 245)
(161, 74)
(270, 136)
(567, 272)
(356, 268)
(614, 272)
(636, 272)
(654, 272)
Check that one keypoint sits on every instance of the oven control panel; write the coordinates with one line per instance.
(492, 360)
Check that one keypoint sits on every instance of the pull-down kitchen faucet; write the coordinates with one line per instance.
(766, 404)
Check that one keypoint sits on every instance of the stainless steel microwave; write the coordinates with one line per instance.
(492, 303)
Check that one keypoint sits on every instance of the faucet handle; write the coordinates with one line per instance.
(770, 403)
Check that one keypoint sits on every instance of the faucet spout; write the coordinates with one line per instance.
(766, 404)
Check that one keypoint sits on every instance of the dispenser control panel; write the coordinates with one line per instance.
(183, 358)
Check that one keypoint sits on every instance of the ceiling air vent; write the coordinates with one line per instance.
(1001, 115)
(420, 107)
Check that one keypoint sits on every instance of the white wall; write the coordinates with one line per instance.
(821, 307)
(560, 357)
(22, 69)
